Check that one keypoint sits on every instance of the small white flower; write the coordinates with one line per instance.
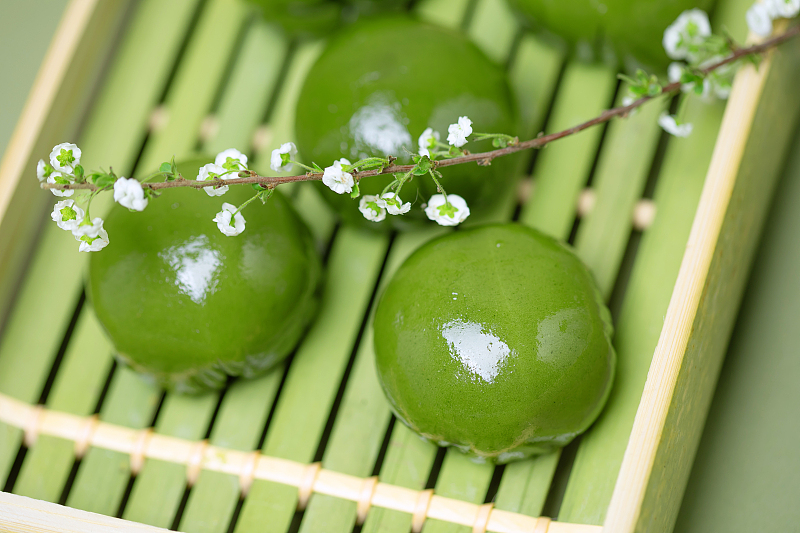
(56, 192)
(759, 20)
(276, 161)
(673, 127)
(368, 205)
(129, 193)
(93, 238)
(223, 220)
(393, 204)
(689, 29)
(627, 100)
(65, 156)
(453, 215)
(675, 71)
(783, 8)
(337, 179)
(231, 159)
(428, 140)
(43, 170)
(209, 172)
(67, 215)
(89, 230)
(457, 133)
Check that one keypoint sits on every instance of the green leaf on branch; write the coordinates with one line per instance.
(422, 166)
(166, 168)
(355, 192)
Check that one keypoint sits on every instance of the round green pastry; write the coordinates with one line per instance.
(495, 340)
(379, 85)
(633, 28)
(189, 306)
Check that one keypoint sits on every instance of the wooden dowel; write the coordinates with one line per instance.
(141, 444)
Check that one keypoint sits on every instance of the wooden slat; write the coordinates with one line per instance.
(316, 372)
(103, 474)
(253, 79)
(493, 27)
(448, 13)
(619, 182)
(76, 390)
(196, 82)
(363, 414)
(748, 156)
(238, 426)
(563, 168)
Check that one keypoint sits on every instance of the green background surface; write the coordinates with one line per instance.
(26, 27)
(746, 475)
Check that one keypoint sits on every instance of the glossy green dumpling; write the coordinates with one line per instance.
(495, 340)
(379, 85)
(186, 304)
(630, 29)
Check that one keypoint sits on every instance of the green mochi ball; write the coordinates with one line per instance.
(633, 28)
(379, 85)
(495, 340)
(189, 306)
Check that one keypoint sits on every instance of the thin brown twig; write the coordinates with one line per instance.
(484, 158)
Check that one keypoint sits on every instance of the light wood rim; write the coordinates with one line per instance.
(248, 466)
(640, 453)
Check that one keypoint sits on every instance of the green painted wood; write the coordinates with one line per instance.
(533, 77)
(158, 488)
(563, 167)
(599, 455)
(315, 373)
(103, 474)
(25, 31)
(76, 390)
(619, 182)
(132, 85)
(363, 415)
(525, 484)
(462, 478)
(253, 79)
(28, 347)
(118, 121)
(281, 121)
(448, 13)
(407, 464)
(745, 473)
(768, 143)
(238, 426)
(493, 27)
(196, 82)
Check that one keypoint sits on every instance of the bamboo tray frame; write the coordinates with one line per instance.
(744, 166)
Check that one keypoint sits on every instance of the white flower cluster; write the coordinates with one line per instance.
(686, 34)
(374, 208)
(61, 169)
(761, 14)
(64, 158)
(226, 165)
(90, 234)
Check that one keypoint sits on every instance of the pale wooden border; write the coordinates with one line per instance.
(141, 444)
(640, 454)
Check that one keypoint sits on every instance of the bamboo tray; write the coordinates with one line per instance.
(667, 225)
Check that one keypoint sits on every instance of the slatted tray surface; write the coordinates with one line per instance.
(207, 75)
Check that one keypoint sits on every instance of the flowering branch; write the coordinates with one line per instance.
(485, 158)
(701, 66)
